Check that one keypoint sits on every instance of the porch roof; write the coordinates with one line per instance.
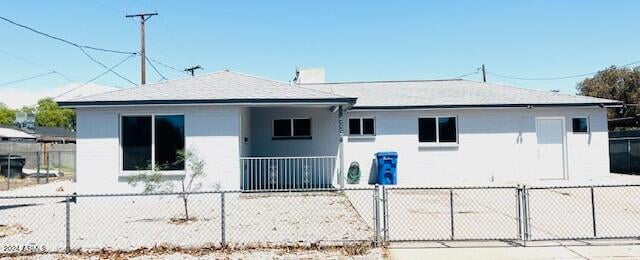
(223, 87)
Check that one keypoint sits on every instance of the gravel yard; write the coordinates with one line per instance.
(129, 222)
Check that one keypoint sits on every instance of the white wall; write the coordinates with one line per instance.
(211, 130)
(497, 144)
(324, 132)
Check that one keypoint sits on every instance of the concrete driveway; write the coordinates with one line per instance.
(597, 249)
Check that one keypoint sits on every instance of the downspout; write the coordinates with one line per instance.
(341, 147)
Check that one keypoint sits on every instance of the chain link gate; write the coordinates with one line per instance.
(518, 214)
(452, 213)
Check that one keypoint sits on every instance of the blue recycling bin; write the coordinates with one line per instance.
(387, 168)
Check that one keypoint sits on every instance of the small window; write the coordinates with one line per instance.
(354, 126)
(302, 127)
(437, 130)
(361, 126)
(580, 125)
(368, 125)
(282, 128)
(447, 130)
(292, 128)
(427, 130)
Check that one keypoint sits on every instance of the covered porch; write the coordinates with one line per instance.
(290, 147)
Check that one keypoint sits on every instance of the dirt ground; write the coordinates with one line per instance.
(170, 253)
(130, 222)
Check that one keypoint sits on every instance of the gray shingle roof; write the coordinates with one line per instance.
(448, 93)
(217, 87)
(234, 87)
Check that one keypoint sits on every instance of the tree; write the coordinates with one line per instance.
(155, 181)
(7, 115)
(48, 113)
(618, 83)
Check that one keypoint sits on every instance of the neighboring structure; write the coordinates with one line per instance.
(256, 134)
(41, 134)
(9, 134)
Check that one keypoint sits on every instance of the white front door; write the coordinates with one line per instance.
(550, 161)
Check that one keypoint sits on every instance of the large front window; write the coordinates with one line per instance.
(152, 140)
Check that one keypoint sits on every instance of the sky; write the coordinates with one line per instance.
(351, 40)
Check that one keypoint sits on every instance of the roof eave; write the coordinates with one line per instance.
(283, 101)
(601, 105)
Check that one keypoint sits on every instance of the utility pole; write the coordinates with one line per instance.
(484, 74)
(192, 69)
(143, 59)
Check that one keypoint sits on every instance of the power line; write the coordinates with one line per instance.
(555, 78)
(63, 40)
(79, 46)
(105, 66)
(98, 76)
(27, 78)
(156, 69)
(165, 65)
(468, 74)
(37, 65)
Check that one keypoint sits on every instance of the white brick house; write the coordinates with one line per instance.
(256, 133)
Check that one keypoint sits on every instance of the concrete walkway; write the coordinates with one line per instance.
(597, 249)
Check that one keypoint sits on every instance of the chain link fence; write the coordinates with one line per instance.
(27, 168)
(322, 218)
(221, 218)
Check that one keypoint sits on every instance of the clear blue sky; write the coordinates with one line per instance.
(352, 40)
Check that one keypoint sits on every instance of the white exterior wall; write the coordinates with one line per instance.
(213, 132)
(324, 132)
(494, 145)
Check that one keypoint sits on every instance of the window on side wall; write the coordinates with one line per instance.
(436, 130)
(294, 128)
(152, 140)
(580, 124)
(362, 126)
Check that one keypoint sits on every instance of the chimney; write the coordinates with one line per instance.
(309, 75)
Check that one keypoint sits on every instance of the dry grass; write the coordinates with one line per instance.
(13, 229)
(357, 249)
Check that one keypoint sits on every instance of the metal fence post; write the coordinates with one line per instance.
(9, 171)
(38, 167)
(48, 160)
(59, 163)
(525, 214)
(593, 213)
(376, 215)
(68, 225)
(75, 166)
(222, 224)
(451, 212)
(385, 214)
(519, 210)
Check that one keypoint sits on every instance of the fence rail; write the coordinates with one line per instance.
(287, 173)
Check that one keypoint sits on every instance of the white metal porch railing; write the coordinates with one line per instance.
(287, 173)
